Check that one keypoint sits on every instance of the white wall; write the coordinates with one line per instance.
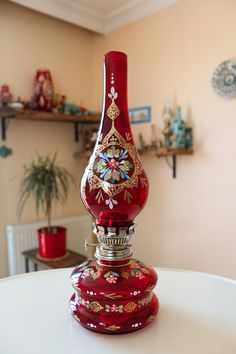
(29, 40)
(188, 222)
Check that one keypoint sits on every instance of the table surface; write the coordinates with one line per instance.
(197, 316)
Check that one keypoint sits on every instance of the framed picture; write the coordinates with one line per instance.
(140, 114)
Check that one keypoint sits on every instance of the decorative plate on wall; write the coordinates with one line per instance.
(224, 79)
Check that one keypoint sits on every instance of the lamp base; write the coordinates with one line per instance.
(115, 296)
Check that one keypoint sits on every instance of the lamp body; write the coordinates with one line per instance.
(115, 297)
(113, 293)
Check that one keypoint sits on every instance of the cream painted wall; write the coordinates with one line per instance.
(188, 222)
(29, 40)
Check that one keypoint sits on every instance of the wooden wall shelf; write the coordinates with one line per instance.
(165, 152)
(7, 113)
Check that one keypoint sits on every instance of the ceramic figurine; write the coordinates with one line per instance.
(167, 116)
(154, 140)
(5, 95)
(90, 137)
(178, 130)
(188, 137)
(70, 108)
(59, 103)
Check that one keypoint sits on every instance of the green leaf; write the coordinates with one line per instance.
(107, 275)
(47, 182)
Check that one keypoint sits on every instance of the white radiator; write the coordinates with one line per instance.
(23, 237)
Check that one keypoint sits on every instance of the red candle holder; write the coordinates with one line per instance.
(114, 292)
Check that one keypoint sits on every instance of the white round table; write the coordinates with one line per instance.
(197, 316)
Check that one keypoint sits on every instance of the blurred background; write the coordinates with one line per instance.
(173, 48)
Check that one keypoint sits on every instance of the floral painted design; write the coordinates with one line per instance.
(111, 202)
(87, 272)
(114, 165)
(114, 308)
(111, 277)
(113, 94)
(95, 306)
(142, 302)
(137, 273)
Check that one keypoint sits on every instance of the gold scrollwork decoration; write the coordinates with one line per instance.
(113, 111)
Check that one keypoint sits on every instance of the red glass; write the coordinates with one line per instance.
(114, 294)
(52, 245)
(114, 298)
(115, 198)
(43, 90)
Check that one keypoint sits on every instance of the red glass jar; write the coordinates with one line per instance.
(112, 297)
(114, 292)
(43, 90)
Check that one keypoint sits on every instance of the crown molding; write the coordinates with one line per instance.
(133, 11)
(71, 11)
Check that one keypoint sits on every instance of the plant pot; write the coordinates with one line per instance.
(52, 245)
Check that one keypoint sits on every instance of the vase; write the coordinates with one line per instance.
(114, 292)
(43, 90)
(52, 243)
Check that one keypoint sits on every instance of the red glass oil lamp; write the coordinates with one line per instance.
(114, 292)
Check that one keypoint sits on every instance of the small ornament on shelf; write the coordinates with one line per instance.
(154, 140)
(5, 151)
(59, 103)
(188, 138)
(176, 134)
(70, 108)
(178, 130)
(43, 90)
(5, 95)
(167, 116)
(90, 137)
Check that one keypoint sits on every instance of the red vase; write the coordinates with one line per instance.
(52, 245)
(43, 90)
(114, 292)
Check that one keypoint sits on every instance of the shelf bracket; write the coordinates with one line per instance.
(4, 124)
(173, 166)
(76, 127)
(3, 128)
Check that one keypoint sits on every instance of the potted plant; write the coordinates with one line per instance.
(48, 183)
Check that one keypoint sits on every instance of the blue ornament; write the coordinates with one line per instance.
(5, 151)
(178, 129)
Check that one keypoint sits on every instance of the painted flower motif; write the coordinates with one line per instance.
(139, 275)
(114, 165)
(113, 94)
(142, 302)
(85, 274)
(111, 279)
(111, 202)
(114, 308)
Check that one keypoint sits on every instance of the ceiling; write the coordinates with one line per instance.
(101, 16)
